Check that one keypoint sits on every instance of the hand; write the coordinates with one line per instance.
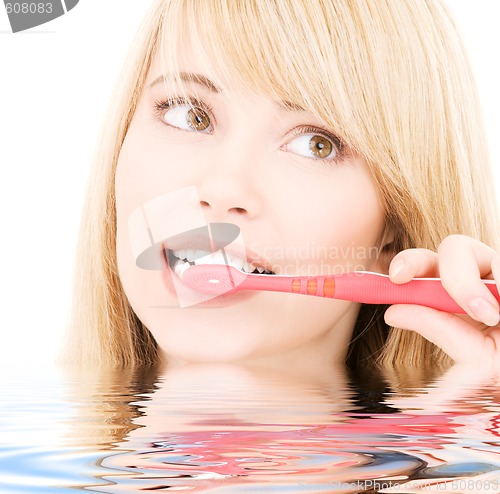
(461, 262)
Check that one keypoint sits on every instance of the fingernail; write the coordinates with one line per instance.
(484, 311)
(396, 268)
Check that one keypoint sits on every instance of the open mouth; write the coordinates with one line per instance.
(182, 259)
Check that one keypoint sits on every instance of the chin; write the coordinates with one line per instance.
(205, 345)
(207, 356)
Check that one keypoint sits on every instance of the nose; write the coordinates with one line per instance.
(223, 196)
(230, 189)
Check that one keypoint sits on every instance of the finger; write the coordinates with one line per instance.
(463, 261)
(413, 263)
(454, 335)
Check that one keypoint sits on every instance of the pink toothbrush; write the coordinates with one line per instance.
(357, 286)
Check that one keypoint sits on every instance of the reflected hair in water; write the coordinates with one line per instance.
(106, 402)
(391, 79)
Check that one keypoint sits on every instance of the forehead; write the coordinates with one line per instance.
(187, 66)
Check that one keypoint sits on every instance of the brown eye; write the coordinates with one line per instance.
(198, 119)
(185, 116)
(315, 146)
(320, 146)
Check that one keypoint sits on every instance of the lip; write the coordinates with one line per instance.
(260, 262)
(227, 299)
(215, 237)
(200, 243)
(211, 237)
(202, 240)
(192, 241)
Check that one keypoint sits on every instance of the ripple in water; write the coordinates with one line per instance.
(124, 431)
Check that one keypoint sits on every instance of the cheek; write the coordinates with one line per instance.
(356, 231)
(142, 175)
(338, 220)
(144, 288)
(138, 179)
(141, 172)
(149, 164)
(357, 214)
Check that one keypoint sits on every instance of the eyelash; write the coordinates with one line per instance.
(161, 105)
(337, 142)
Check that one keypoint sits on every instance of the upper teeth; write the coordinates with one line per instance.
(204, 257)
(190, 254)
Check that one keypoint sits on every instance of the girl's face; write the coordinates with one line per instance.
(304, 202)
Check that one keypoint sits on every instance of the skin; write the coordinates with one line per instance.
(255, 172)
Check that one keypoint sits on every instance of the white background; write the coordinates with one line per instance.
(55, 81)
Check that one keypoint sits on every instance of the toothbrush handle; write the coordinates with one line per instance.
(365, 287)
(372, 288)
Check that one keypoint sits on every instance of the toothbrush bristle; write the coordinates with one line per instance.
(212, 278)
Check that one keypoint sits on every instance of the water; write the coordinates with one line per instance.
(227, 429)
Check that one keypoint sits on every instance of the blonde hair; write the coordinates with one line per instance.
(391, 78)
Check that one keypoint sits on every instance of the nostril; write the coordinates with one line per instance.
(236, 209)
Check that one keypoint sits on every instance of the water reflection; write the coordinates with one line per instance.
(234, 429)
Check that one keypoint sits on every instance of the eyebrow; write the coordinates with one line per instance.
(189, 77)
(290, 106)
(211, 86)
